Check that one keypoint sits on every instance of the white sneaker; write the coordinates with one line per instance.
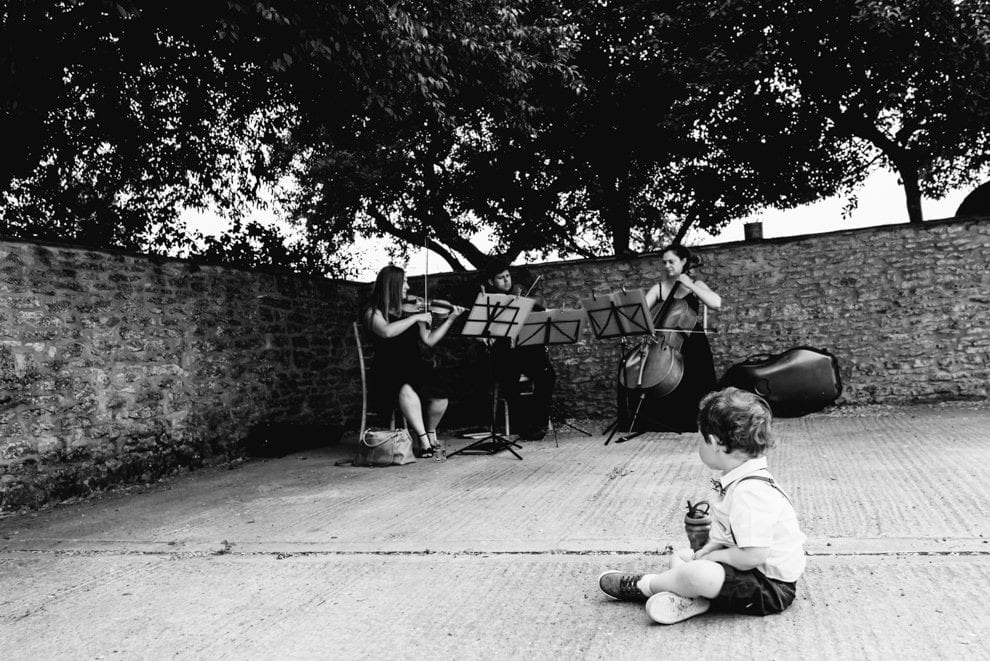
(668, 608)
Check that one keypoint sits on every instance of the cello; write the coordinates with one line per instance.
(655, 368)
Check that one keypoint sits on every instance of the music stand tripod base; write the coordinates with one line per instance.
(565, 423)
(494, 316)
(630, 434)
(548, 328)
(620, 314)
(490, 444)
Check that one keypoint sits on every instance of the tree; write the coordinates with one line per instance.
(693, 116)
(906, 81)
(124, 111)
(652, 141)
(403, 176)
(114, 117)
(585, 128)
(444, 118)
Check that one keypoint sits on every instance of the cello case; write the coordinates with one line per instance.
(798, 381)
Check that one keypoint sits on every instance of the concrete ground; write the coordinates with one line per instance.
(489, 557)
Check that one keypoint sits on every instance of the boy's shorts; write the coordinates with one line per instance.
(751, 593)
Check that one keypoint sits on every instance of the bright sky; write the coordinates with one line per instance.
(881, 202)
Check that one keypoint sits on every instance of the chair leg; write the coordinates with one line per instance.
(393, 421)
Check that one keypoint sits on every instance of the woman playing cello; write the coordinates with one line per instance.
(404, 372)
(678, 410)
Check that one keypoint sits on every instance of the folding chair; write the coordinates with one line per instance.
(395, 412)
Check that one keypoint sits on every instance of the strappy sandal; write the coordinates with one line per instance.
(426, 452)
(439, 449)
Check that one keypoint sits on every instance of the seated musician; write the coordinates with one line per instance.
(678, 410)
(403, 372)
(512, 362)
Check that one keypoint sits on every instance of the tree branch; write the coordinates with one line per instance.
(569, 241)
(388, 227)
(682, 230)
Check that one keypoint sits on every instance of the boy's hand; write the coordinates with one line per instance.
(706, 549)
(744, 559)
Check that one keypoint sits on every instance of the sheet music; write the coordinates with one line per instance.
(555, 326)
(497, 315)
(619, 314)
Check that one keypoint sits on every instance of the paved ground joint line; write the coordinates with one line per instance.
(427, 553)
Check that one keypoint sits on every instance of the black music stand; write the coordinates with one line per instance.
(495, 316)
(550, 327)
(620, 314)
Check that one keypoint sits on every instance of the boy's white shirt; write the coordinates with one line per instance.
(759, 515)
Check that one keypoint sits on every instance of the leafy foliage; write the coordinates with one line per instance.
(905, 81)
(583, 128)
(125, 114)
(134, 109)
(402, 176)
(664, 130)
(612, 161)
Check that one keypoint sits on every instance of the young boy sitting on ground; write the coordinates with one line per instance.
(754, 554)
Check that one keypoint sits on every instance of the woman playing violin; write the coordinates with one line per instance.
(404, 372)
(678, 410)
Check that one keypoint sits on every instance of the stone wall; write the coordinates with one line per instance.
(119, 368)
(903, 307)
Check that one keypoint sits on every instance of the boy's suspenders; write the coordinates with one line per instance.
(761, 478)
(768, 480)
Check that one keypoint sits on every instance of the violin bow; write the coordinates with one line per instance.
(426, 274)
(533, 286)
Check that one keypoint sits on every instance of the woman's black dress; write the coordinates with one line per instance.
(678, 410)
(400, 360)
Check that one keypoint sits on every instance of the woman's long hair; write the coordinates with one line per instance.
(386, 296)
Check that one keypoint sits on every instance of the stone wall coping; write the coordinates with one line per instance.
(777, 240)
(154, 258)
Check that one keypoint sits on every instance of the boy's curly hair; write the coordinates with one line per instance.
(740, 419)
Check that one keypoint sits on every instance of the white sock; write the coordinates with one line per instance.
(644, 585)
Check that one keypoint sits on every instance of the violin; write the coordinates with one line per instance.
(435, 306)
